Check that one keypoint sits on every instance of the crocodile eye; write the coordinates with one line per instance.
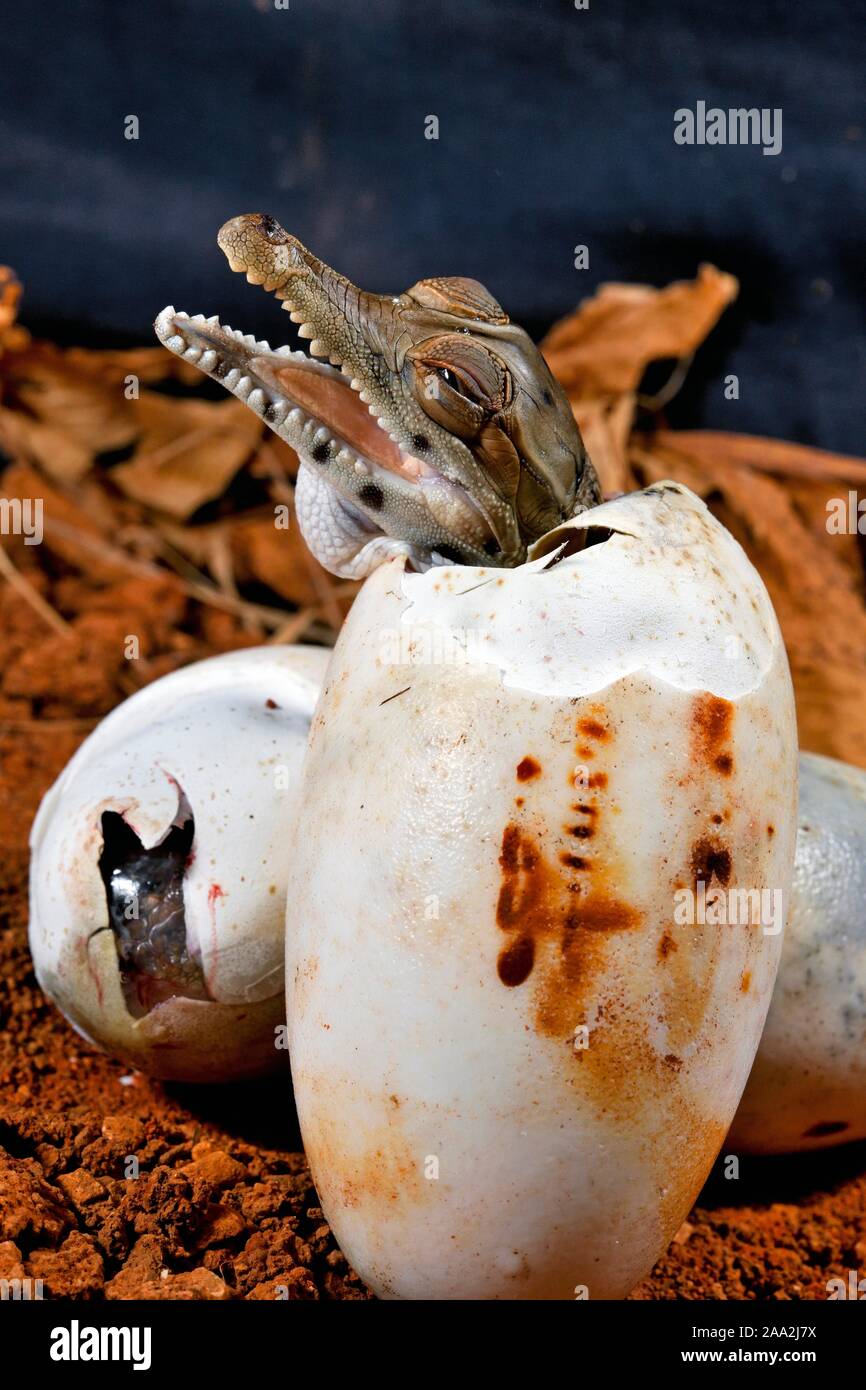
(450, 378)
(458, 382)
(442, 395)
(463, 385)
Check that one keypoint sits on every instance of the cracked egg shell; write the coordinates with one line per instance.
(513, 1067)
(158, 866)
(807, 1089)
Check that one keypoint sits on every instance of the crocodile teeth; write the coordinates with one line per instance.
(164, 320)
(183, 335)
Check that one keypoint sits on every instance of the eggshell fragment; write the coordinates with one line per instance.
(807, 1089)
(513, 1066)
(223, 740)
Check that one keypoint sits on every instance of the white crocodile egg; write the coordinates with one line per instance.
(807, 1089)
(158, 866)
(517, 1041)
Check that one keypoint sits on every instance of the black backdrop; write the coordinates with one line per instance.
(556, 129)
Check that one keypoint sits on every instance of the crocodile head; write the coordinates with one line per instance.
(437, 431)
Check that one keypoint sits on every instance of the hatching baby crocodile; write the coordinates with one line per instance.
(437, 431)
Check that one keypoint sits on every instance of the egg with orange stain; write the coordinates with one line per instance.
(530, 880)
(158, 867)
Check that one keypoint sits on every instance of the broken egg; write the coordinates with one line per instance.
(807, 1089)
(158, 866)
(537, 903)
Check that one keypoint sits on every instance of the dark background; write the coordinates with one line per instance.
(556, 128)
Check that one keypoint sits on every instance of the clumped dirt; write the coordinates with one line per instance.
(781, 1231)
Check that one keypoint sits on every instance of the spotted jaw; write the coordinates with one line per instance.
(361, 497)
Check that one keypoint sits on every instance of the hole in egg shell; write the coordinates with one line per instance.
(144, 893)
(570, 540)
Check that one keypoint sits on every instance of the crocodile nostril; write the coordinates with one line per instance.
(271, 228)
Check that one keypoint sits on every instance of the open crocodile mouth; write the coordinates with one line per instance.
(327, 420)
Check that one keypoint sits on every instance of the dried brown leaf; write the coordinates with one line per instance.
(13, 338)
(63, 520)
(604, 347)
(605, 426)
(187, 452)
(46, 384)
(147, 364)
(59, 454)
(766, 455)
(280, 559)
